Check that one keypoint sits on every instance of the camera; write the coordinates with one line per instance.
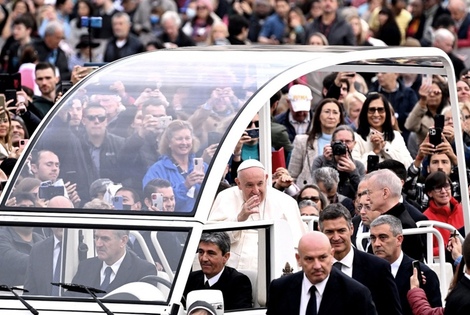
(339, 148)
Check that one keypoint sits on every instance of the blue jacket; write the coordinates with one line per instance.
(164, 168)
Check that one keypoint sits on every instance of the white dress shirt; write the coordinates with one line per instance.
(305, 294)
(114, 267)
(214, 279)
(396, 264)
(347, 263)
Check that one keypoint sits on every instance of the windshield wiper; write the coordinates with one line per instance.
(4, 287)
(84, 289)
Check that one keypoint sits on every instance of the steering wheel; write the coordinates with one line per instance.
(154, 280)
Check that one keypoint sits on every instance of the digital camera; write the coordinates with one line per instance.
(339, 148)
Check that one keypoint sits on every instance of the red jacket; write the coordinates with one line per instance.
(420, 305)
(452, 216)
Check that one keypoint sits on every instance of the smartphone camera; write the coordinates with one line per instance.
(253, 133)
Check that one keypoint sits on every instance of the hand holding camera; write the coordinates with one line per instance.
(377, 142)
(328, 152)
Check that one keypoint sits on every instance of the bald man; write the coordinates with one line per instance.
(318, 288)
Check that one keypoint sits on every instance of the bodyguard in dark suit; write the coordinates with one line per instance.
(457, 302)
(40, 272)
(373, 272)
(213, 253)
(319, 288)
(113, 266)
(386, 236)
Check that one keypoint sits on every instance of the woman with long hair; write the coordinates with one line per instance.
(375, 133)
(199, 27)
(388, 31)
(328, 115)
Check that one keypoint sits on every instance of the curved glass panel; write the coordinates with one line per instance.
(140, 133)
(142, 265)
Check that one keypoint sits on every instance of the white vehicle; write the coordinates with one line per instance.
(186, 77)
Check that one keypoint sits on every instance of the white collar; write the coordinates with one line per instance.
(214, 279)
(320, 286)
(396, 264)
(115, 266)
(348, 259)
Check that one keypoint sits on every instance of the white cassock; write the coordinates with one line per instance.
(276, 205)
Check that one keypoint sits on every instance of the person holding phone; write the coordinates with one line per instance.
(375, 133)
(433, 98)
(177, 148)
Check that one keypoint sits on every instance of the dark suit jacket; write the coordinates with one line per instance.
(39, 272)
(458, 303)
(402, 279)
(132, 269)
(235, 287)
(412, 244)
(374, 273)
(342, 295)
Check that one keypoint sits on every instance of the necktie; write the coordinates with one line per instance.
(365, 241)
(107, 277)
(337, 265)
(312, 303)
(206, 284)
(56, 275)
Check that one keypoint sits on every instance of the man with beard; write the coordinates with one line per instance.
(46, 80)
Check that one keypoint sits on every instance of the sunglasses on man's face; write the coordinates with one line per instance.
(312, 198)
(94, 117)
(250, 124)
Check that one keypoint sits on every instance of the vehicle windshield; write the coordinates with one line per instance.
(147, 261)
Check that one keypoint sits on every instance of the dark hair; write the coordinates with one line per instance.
(90, 8)
(26, 19)
(444, 99)
(323, 200)
(395, 166)
(334, 211)
(134, 193)
(342, 128)
(36, 155)
(13, 7)
(23, 125)
(363, 128)
(155, 183)
(236, 24)
(466, 250)
(45, 65)
(316, 125)
(29, 55)
(221, 239)
(20, 196)
(92, 106)
(434, 180)
(156, 43)
(443, 21)
(276, 97)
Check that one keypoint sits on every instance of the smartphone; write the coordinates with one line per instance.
(253, 133)
(117, 202)
(49, 192)
(10, 95)
(372, 161)
(157, 201)
(23, 143)
(213, 138)
(16, 78)
(164, 121)
(418, 268)
(435, 137)
(427, 79)
(198, 165)
(439, 121)
(351, 75)
(65, 86)
(71, 176)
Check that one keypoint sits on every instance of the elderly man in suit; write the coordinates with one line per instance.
(386, 237)
(319, 289)
(213, 252)
(335, 222)
(113, 266)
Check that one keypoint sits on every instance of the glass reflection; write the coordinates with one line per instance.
(120, 262)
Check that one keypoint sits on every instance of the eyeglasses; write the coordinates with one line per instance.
(251, 124)
(94, 117)
(372, 110)
(311, 198)
(346, 142)
(437, 190)
(436, 92)
(201, 8)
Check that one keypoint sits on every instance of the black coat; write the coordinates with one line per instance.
(132, 46)
(235, 287)
(374, 273)
(412, 244)
(61, 61)
(342, 295)
(283, 119)
(402, 279)
(40, 269)
(458, 303)
(132, 269)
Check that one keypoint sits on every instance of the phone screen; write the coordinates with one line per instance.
(439, 121)
(372, 161)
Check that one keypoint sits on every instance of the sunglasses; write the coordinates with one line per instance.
(201, 8)
(372, 110)
(311, 198)
(94, 117)
(251, 123)
(436, 92)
